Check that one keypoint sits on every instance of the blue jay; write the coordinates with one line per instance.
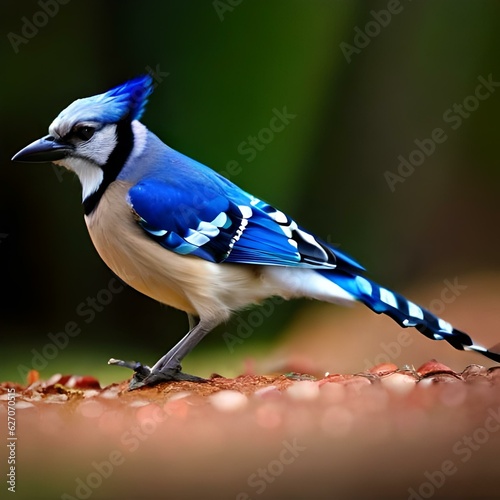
(187, 237)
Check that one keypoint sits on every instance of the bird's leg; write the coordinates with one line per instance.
(168, 368)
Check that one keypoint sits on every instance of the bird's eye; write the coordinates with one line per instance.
(84, 132)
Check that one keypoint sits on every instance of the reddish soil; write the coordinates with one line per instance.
(384, 433)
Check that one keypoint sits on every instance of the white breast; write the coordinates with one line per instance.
(188, 283)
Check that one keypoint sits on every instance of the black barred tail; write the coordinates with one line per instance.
(405, 313)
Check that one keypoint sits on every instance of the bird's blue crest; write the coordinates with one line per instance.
(129, 99)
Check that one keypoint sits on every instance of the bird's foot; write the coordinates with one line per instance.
(145, 376)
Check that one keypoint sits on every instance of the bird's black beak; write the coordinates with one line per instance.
(45, 149)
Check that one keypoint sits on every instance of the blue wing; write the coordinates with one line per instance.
(219, 222)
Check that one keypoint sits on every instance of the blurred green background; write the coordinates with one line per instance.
(364, 81)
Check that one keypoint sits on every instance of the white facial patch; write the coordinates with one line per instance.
(100, 146)
(140, 133)
(90, 175)
(89, 156)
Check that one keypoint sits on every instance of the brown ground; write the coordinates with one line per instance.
(389, 432)
(386, 433)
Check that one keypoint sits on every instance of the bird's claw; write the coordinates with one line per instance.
(138, 367)
(144, 376)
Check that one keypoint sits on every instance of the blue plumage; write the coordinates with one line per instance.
(127, 100)
(168, 215)
(404, 312)
(203, 244)
(223, 223)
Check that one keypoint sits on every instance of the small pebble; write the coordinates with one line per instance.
(110, 393)
(90, 393)
(91, 409)
(305, 390)
(399, 383)
(21, 405)
(57, 398)
(433, 366)
(228, 400)
(179, 395)
(138, 403)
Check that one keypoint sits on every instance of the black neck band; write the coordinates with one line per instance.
(116, 160)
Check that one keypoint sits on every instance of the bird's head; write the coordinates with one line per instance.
(93, 136)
